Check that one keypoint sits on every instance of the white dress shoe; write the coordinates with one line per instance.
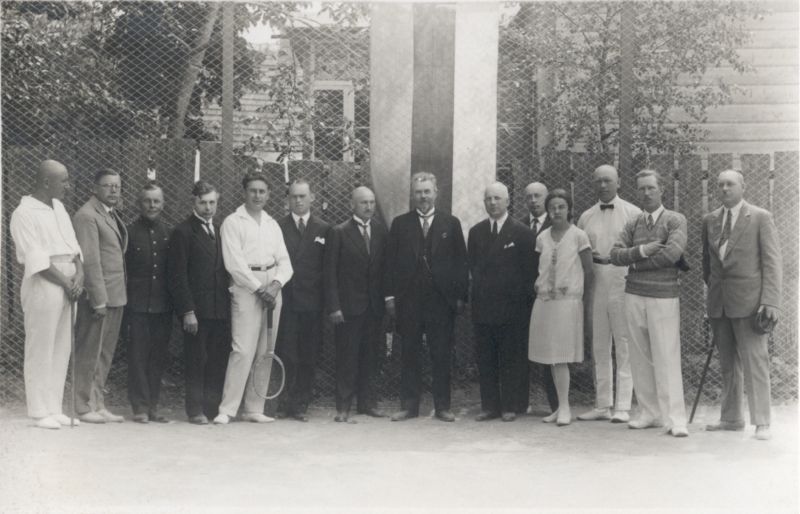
(257, 417)
(643, 422)
(64, 420)
(678, 431)
(564, 417)
(620, 416)
(596, 415)
(551, 418)
(48, 422)
(109, 417)
(763, 433)
(222, 419)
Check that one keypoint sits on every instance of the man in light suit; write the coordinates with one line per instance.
(538, 221)
(742, 268)
(301, 317)
(503, 263)
(354, 262)
(103, 240)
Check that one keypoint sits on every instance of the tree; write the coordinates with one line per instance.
(578, 43)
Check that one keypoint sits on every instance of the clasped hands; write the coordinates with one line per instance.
(268, 293)
(73, 286)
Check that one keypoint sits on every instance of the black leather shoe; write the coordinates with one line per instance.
(486, 416)
(300, 416)
(198, 420)
(445, 415)
(158, 418)
(341, 417)
(372, 413)
(403, 415)
(509, 416)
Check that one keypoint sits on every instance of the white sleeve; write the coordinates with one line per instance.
(30, 250)
(283, 271)
(233, 257)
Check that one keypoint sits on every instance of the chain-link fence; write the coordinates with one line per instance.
(90, 97)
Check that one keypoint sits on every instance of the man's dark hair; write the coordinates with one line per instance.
(150, 186)
(104, 172)
(559, 193)
(252, 176)
(300, 182)
(201, 188)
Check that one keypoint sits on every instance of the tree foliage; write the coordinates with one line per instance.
(675, 44)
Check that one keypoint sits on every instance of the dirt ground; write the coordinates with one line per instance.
(422, 465)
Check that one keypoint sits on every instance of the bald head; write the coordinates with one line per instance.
(52, 180)
(535, 195)
(730, 187)
(495, 199)
(606, 182)
(363, 203)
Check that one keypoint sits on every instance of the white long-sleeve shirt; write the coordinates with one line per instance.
(603, 226)
(41, 232)
(246, 242)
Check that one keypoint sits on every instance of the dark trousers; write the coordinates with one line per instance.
(206, 355)
(502, 355)
(357, 341)
(298, 345)
(432, 316)
(148, 348)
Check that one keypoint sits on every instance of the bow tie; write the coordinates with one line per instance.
(604, 206)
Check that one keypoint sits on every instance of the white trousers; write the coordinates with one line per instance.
(608, 319)
(654, 327)
(250, 341)
(46, 311)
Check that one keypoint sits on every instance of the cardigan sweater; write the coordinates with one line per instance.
(655, 276)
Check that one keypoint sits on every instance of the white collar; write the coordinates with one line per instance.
(612, 202)
(202, 219)
(500, 221)
(304, 217)
(430, 214)
(361, 223)
(735, 209)
(656, 213)
(241, 211)
(31, 202)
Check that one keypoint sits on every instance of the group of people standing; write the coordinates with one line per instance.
(538, 290)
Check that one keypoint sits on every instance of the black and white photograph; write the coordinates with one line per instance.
(409, 257)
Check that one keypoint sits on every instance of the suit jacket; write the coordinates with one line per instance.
(750, 273)
(103, 240)
(353, 277)
(304, 292)
(146, 264)
(448, 264)
(503, 271)
(546, 224)
(197, 279)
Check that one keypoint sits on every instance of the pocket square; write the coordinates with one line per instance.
(509, 245)
(444, 235)
(320, 240)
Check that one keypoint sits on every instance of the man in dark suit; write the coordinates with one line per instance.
(103, 240)
(300, 332)
(503, 263)
(354, 266)
(149, 309)
(538, 220)
(198, 284)
(742, 268)
(426, 279)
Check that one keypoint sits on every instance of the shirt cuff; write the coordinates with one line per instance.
(187, 313)
(641, 252)
(388, 298)
(101, 306)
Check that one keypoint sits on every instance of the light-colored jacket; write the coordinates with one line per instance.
(103, 239)
(749, 275)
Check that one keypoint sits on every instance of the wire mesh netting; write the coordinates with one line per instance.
(136, 87)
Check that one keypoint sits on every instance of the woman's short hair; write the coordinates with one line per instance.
(559, 193)
(252, 176)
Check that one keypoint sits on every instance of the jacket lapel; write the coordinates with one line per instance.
(107, 217)
(436, 231)
(736, 232)
(354, 232)
(502, 236)
(203, 239)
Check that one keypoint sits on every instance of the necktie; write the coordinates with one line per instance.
(535, 225)
(425, 226)
(604, 206)
(649, 222)
(494, 229)
(301, 226)
(726, 229)
(210, 229)
(365, 234)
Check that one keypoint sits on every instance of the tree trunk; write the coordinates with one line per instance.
(192, 69)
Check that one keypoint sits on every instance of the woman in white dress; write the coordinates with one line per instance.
(563, 292)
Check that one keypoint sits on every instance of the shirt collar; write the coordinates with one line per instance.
(202, 219)
(429, 215)
(656, 213)
(500, 221)
(612, 202)
(304, 217)
(361, 223)
(241, 211)
(31, 202)
(735, 209)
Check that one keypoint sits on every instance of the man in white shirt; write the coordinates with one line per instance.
(46, 245)
(258, 262)
(603, 223)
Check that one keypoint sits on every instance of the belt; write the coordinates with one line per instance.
(62, 258)
(262, 268)
(601, 260)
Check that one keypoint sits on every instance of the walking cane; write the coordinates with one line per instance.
(72, 362)
(702, 377)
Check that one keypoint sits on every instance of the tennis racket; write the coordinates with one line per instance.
(268, 375)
